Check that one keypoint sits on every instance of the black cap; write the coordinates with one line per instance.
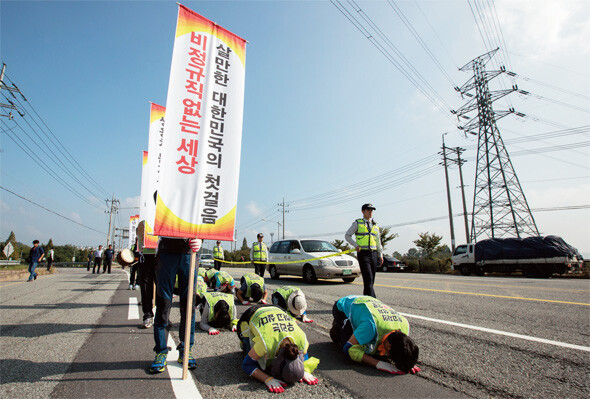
(368, 206)
(259, 235)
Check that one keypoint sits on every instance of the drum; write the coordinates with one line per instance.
(126, 257)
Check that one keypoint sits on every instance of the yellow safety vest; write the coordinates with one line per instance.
(201, 287)
(251, 278)
(364, 238)
(213, 297)
(259, 252)
(218, 252)
(272, 325)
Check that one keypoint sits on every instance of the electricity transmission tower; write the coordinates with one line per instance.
(500, 208)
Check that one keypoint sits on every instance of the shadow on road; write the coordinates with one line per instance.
(41, 329)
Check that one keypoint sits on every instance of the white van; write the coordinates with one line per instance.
(345, 267)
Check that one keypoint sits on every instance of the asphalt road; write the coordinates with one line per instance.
(69, 335)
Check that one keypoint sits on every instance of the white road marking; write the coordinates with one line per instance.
(133, 309)
(182, 388)
(508, 334)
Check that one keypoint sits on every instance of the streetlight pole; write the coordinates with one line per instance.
(278, 226)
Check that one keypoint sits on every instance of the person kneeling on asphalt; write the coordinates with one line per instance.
(217, 311)
(370, 332)
(223, 282)
(200, 290)
(201, 272)
(292, 300)
(252, 289)
(274, 343)
(208, 277)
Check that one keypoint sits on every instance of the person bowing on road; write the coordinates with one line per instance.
(223, 282)
(367, 243)
(274, 343)
(252, 289)
(217, 311)
(292, 300)
(370, 332)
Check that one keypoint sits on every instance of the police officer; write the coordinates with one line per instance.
(367, 243)
(217, 311)
(274, 343)
(217, 255)
(259, 253)
(252, 288)
(292, 300)
(370, 332)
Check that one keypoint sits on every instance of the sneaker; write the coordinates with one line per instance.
(136, 287)
(130, 287)
(147, 323)
(192, 362)
(159, 364)
(36, 276)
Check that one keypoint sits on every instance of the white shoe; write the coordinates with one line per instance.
(130, 287)
(136, 287)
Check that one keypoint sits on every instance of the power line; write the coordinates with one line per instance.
(49, 210)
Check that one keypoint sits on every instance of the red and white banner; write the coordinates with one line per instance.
(198, 185)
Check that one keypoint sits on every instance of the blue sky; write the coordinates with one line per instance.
(325, 112)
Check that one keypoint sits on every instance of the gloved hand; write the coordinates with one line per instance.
(195, 244)
(309, 379)
(306, 319)
(245, 303)
(274, 385)
(213, 331)
(234, 328)
(414, 370)
(388, 368)
(263, 301)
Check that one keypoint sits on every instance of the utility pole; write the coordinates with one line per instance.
(114, 207)
(444, 154)
(459, 163)
(11, 90)
(499, 205)
(283, 205)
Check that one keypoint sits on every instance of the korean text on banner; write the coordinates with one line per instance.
(152, 171)
(198, 188)
(133, 221)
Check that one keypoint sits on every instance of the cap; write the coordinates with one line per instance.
(259, 235)
(296, 303)
(289, 371)
(368, 206)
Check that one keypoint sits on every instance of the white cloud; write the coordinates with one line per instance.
(75, 216)
(545, 28)
(130, 201)
(253, 208)
(4, 206)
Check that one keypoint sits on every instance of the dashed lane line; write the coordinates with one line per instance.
(499, 332)
(133, 313)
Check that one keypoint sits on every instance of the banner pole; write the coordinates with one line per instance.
(189, 316)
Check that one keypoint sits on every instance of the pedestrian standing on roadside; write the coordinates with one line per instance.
(36, 254)
(50, 257)
(367, 243)
(259, 253)
(174, 255)
(89, 258)
(97, 259)
(108, 259)
(217, 255)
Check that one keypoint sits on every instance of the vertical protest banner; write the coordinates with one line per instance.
(197, 193)
(155, 142)
(133, 221)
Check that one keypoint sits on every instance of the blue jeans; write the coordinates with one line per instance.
(32, 267)
(169, 265)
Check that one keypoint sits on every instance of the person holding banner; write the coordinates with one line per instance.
(173, 260)
(259, 253)
(274, 343)
(217, 311)
(217, 255)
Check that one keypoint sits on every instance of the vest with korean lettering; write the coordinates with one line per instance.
(273, 325)
(213, 297)
(223, 278)
(210, 273)
(386, 320)
(252, 278)
(218, 252)
(366, 239)
(201, 287)
(259, 252)
(286, 290)
(201, 272)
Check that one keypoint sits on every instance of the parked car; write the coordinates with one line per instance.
(345, 267)
(391, 264)
(206, 260)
